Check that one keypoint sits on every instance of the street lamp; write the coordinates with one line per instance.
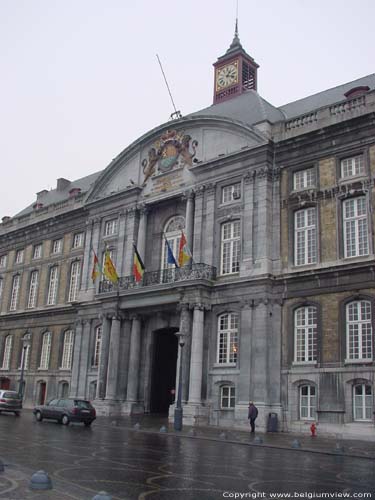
(178, 408)
(25, 346)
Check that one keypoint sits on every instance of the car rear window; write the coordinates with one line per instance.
(82, 404)
(11, 395)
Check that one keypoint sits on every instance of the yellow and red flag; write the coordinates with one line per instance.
(184, 253)
(109, 269)
(138, 266)
(95, 273)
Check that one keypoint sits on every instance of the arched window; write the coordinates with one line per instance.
(227, 342)
(67, 354)
(46, 351)
(362, 402)
(230, 247)
(305, 334)
(227, 397)
(307, 402)
(7, 352)
(359, 337)
(97, 345)
(25, 351)
(172, 233)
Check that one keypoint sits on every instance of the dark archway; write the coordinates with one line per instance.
(163, 369)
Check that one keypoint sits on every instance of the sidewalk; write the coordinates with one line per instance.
(282, 440)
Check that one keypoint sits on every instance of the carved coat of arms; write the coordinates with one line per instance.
(173, 147)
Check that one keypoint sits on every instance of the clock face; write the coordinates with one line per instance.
(226, 75)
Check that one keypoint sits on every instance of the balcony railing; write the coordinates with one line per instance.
(162, 276)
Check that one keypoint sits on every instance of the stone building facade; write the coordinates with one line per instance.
(276, 304)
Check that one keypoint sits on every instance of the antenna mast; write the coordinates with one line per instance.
(176, 114)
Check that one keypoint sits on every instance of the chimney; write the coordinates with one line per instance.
(41, 194)
(5, 219)
(62, 184)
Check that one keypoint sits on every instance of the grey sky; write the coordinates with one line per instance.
(80, 79)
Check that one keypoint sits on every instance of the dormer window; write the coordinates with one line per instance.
(353, 166)
(356, 91)
(304, 179)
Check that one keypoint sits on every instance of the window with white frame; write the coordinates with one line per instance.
(37, 253)
(19, 256)
(359, 336)
(227, 345)
(231, 193)
(172, 234)
(25, 352)
(15, 292)
(362, 402)
(227, 397)
(78, 240)
(52, 286)
(110, 227)
(355, 227)
(3, 261)
(97, 345)
(304, 179)
(230, 247)
(305, 334)
(353, 166)
(75, 274)
(46, 351)
(305, 236)
(67, 354)
(33, 289)
(307, 402)
(56, 246)
(7, 352)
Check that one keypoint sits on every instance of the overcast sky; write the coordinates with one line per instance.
(80, 79)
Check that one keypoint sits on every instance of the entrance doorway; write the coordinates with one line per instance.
(42, 393)
(163, 370)
(4, 383)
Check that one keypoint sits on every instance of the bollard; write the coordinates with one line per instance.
(102, 495)
(296, 444)
(258, 440)
(163, 429)
(40, 481)
(137, 426)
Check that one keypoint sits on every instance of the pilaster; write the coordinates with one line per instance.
(84, 359)
(113, 359)
(103, 357)
(76, 359)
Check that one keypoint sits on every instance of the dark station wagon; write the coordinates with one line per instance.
(66, 410)
(10, 401)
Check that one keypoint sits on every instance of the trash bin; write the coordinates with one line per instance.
(272, 422)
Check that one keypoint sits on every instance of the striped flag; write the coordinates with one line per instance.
(184, 253)
(138, 266)
(170, 256)
(96, 271)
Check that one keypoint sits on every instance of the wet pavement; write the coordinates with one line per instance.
(148, 464)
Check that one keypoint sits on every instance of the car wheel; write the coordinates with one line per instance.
(87, 424)
(65, 420)
(17, 413)
(38, 416)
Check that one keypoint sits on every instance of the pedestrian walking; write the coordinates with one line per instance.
(252, 415)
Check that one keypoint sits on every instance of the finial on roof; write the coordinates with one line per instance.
(236, 44)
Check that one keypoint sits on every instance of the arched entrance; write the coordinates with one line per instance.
(163, 369)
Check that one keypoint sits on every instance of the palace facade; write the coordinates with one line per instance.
(276, 304)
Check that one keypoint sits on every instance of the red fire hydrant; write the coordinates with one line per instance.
(313, 429)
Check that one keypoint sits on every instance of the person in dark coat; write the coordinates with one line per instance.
(252, 415)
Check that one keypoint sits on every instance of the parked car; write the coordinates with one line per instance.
(66, 410)
(10, 401)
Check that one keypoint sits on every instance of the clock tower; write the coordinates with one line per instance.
(235, 72)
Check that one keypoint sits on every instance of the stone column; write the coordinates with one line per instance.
(113, 359)
(127, 266)
(244, 360)
(189, 219)
(184, 330)
(76, 359)
(134, 360)
(198, 223)
(103, 357)
(196, 356)
(208, 247)
(259, 377)
(142, 228)
(84, 359)
(263, 234)
(248, 225)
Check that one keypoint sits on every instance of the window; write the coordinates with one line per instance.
(75, 273)
(231, 193)
(227, 397)
(307, 402)
(37, 253)
(172, 233)
(19, 256)
(362, 402)
(304, 179)
(1, 288)
(227, 347)
(25, 351)
(355, 227)
(230, 247)
(97, 346)
(56, 246)
(352, 166)
(110, 227)
(67, 355)
(46, 351)
(359, 336)
(7, 352)
(15, 292)
(3, 261)
(78, 240)
(34, 278)
(305, 334)
(305, 236)
(52, 286)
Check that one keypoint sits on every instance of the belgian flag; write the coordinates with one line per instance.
(138, 266)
